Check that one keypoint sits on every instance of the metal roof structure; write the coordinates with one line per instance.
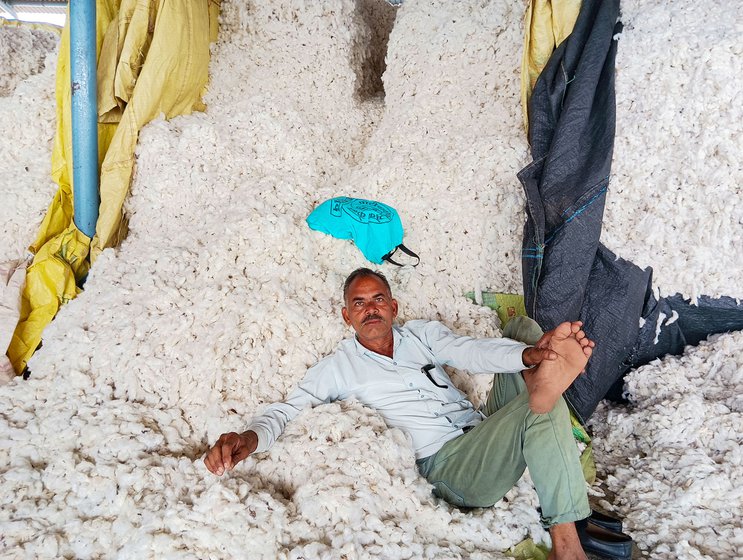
(49, 11)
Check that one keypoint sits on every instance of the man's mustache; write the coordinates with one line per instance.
(371, 318)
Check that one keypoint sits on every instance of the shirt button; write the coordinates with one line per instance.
(435, 413)
(394, 363)
(410, 385)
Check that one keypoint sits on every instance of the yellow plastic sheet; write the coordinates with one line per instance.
(547, 24)
(153, 58)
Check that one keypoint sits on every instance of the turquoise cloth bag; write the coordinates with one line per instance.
(374, 227)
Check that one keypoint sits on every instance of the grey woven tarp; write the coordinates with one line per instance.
(567, 272)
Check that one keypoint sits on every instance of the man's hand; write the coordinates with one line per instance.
(534, 355)
(229, 450)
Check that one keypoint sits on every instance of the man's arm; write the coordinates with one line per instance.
(319, 386)
(484, 355)
(476, 355)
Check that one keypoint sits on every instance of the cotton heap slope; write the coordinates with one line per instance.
(28, 60)
(23, 50)
(675, 197)
(221, 296)
(673, 458)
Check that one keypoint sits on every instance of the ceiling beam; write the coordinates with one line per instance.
(37, 3)
(4, 7)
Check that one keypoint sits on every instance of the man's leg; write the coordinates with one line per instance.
(565, 540)
(506, 386)
(480, 467)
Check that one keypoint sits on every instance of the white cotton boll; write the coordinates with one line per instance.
(674, 317)
(658, 324)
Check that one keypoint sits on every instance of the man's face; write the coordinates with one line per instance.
(370, 309)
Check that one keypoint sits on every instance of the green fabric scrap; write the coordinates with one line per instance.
(588, 465)
(579, 432)
(507, 306)
(529, 550)
(586, 457)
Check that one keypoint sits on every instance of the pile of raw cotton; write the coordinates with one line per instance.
(674, 456)
(23, 51)
(221, 296)
(28, 60)
(675, 201)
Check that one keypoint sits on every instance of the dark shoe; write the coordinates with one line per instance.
(603, 542)
(606, 521)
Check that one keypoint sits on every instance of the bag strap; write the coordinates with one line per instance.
(404, 249)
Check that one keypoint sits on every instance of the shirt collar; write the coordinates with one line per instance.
(397, 335)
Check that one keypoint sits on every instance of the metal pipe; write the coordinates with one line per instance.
(84, 115)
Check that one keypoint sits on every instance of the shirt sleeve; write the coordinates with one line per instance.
(476, 355)
(318, 387)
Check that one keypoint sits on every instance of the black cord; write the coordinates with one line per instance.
(427, 370)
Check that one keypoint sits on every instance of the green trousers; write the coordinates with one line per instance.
(479, 467)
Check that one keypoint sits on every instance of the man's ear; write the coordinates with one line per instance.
(394, 308)
(346, 318)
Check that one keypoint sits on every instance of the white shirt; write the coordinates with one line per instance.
(396, 387)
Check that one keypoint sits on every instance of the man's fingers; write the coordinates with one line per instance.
(533, 356)
(219, 458)
(544, 341)
(213, 460)
(546, 354)
(228, 449)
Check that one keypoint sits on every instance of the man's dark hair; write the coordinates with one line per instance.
(360, 272)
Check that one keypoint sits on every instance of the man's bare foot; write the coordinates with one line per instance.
(551, 378)
(565, 543)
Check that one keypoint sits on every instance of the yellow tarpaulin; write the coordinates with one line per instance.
(153, 58)
(547, 24)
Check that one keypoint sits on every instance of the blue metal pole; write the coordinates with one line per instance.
(84, 115)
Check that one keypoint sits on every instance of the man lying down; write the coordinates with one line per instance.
(471, 457)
